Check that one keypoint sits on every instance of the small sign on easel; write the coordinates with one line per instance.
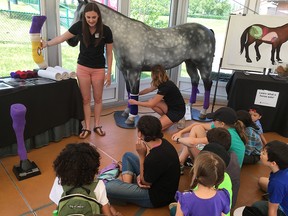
(266, 98)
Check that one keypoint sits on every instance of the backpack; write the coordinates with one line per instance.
(79, 201)
(109, 172)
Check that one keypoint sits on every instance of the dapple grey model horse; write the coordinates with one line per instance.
(138, 47)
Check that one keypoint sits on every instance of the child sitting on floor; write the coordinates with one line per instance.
(224, 117)
(273, 155)
(254, 144)
(256, 114)
(204, 198)
(222, 137)
(77, 165)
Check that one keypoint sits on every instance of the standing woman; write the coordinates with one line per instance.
(168, 102)
(94, 37)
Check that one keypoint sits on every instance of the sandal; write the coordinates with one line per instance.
(84, 133)
(99, 131)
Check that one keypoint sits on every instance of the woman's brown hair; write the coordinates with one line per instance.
(158, 75)
(92, 6)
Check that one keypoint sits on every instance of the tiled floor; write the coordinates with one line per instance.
(30, 196)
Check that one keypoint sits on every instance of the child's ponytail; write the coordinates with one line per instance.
(240, 128)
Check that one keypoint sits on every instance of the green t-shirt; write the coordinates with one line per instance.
(237, 145)
(227, 184)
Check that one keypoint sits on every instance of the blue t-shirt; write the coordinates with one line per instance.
(278, 189)
(260, 129)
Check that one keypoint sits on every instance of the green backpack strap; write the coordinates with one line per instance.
(89, 189)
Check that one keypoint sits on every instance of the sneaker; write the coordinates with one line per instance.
(188, 162)
(182, 169)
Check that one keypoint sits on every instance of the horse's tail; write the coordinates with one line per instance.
(243, 39)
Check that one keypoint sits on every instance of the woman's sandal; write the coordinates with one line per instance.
(84, 133)
(99, 131)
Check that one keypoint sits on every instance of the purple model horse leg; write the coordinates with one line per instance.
(18, 112)
(194, 93)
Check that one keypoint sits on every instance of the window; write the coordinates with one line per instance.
(277, 8)
(15, 43)
(154, 13)
(214, 14)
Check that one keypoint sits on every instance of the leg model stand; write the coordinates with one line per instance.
(26, 169)
(37, 23)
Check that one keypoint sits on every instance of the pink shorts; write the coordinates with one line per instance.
(93, 73)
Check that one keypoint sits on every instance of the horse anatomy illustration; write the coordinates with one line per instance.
(138, 47)
(262, 34)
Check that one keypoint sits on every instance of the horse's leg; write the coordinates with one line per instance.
(205, 72)
(278, 49)
(193, 73)
(272, 55)
(258, 55)
(133, 79)
(127, 109)
(248, 43)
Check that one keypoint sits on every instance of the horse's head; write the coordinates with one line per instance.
(77, 16)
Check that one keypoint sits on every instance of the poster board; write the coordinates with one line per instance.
(234, 60)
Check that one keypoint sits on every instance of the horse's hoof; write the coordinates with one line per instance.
(280, 61)
(130, 121)
(248, 60)
(258, 58)
(202, 116)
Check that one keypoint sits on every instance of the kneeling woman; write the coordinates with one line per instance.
(168, 102)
